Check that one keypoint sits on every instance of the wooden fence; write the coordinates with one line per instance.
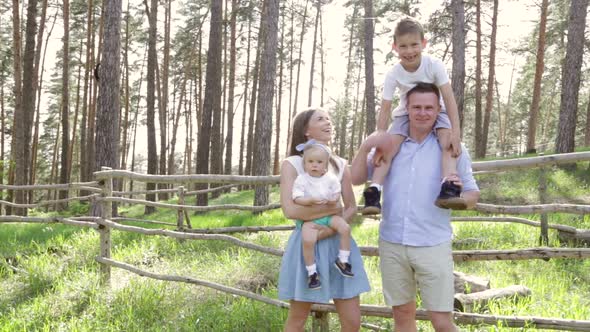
(102, 193)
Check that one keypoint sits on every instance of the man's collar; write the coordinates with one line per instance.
(432, 133)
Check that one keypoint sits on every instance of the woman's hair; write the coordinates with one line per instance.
(300, 124)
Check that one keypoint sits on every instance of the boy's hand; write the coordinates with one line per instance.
(382, 142)
(455, 144)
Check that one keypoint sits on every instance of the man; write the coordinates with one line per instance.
(414, 234)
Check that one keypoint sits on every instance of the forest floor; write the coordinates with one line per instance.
(49, 280)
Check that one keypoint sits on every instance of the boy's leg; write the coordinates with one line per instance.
(341, 226)
(450, 194)
(372, 194)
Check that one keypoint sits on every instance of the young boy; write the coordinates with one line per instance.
(414, 67)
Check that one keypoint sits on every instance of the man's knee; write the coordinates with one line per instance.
(404, 312)
(442, 322)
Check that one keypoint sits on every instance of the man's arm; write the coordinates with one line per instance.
(451, 107)
(291, 210)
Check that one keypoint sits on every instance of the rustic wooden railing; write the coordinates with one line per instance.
(103, 194)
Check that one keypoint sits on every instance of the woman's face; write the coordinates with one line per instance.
(319, 127)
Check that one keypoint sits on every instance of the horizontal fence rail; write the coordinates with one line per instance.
(184, 179)
(104, 196)
(369, 310)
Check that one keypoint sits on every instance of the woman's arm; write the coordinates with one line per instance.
(296, 211)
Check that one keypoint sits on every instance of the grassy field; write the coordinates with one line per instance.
(49, 280)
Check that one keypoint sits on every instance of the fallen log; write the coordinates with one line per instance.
(467, 302)
(465, 283)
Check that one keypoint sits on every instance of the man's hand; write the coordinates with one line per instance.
(455, 144)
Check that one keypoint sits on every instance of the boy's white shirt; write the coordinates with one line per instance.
(325, 187)
(431, 70)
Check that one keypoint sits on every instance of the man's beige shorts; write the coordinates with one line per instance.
(430, 268)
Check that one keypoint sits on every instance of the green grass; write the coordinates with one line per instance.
(49, 280)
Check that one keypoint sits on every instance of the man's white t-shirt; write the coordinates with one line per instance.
(431, 70)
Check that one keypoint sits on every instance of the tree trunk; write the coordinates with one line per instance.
(504, 128)
(490, 88)
(301, 36)
(276, 162)
(65, 103)
(23, 117)
(570, 82)
(265, 101)
(540, 66)
(212, 101)
(2, 128)
(322, 62)
(587, 130)
(215, 135)
(152, 167)
(478, 125)
(164, 98)
(291, 65)
(35, 143)
(458, 75)
(107, 124)
(313, 48)
(126, 124)
(255, 84)
(84, 172)
(369, 80)
(76, 112)
(231, 89)
(245, 105)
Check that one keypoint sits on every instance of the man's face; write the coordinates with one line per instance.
(423, 108)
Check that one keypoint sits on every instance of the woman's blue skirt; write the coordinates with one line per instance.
(293, 275)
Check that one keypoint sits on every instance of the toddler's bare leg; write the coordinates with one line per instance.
(343, 228)
(309, 235)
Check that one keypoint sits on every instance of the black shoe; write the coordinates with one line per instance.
(372, 201)
(345, 269)
(450, 197)
(313, 281)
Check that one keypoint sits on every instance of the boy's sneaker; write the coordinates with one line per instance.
(345, 269)
(450, 197)
(313, 281)
(372, 201)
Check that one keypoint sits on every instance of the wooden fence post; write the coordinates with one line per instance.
(321, 322)
(105, 232)
(180, 211)
(544, 237)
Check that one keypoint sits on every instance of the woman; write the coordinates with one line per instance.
(293, 284)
